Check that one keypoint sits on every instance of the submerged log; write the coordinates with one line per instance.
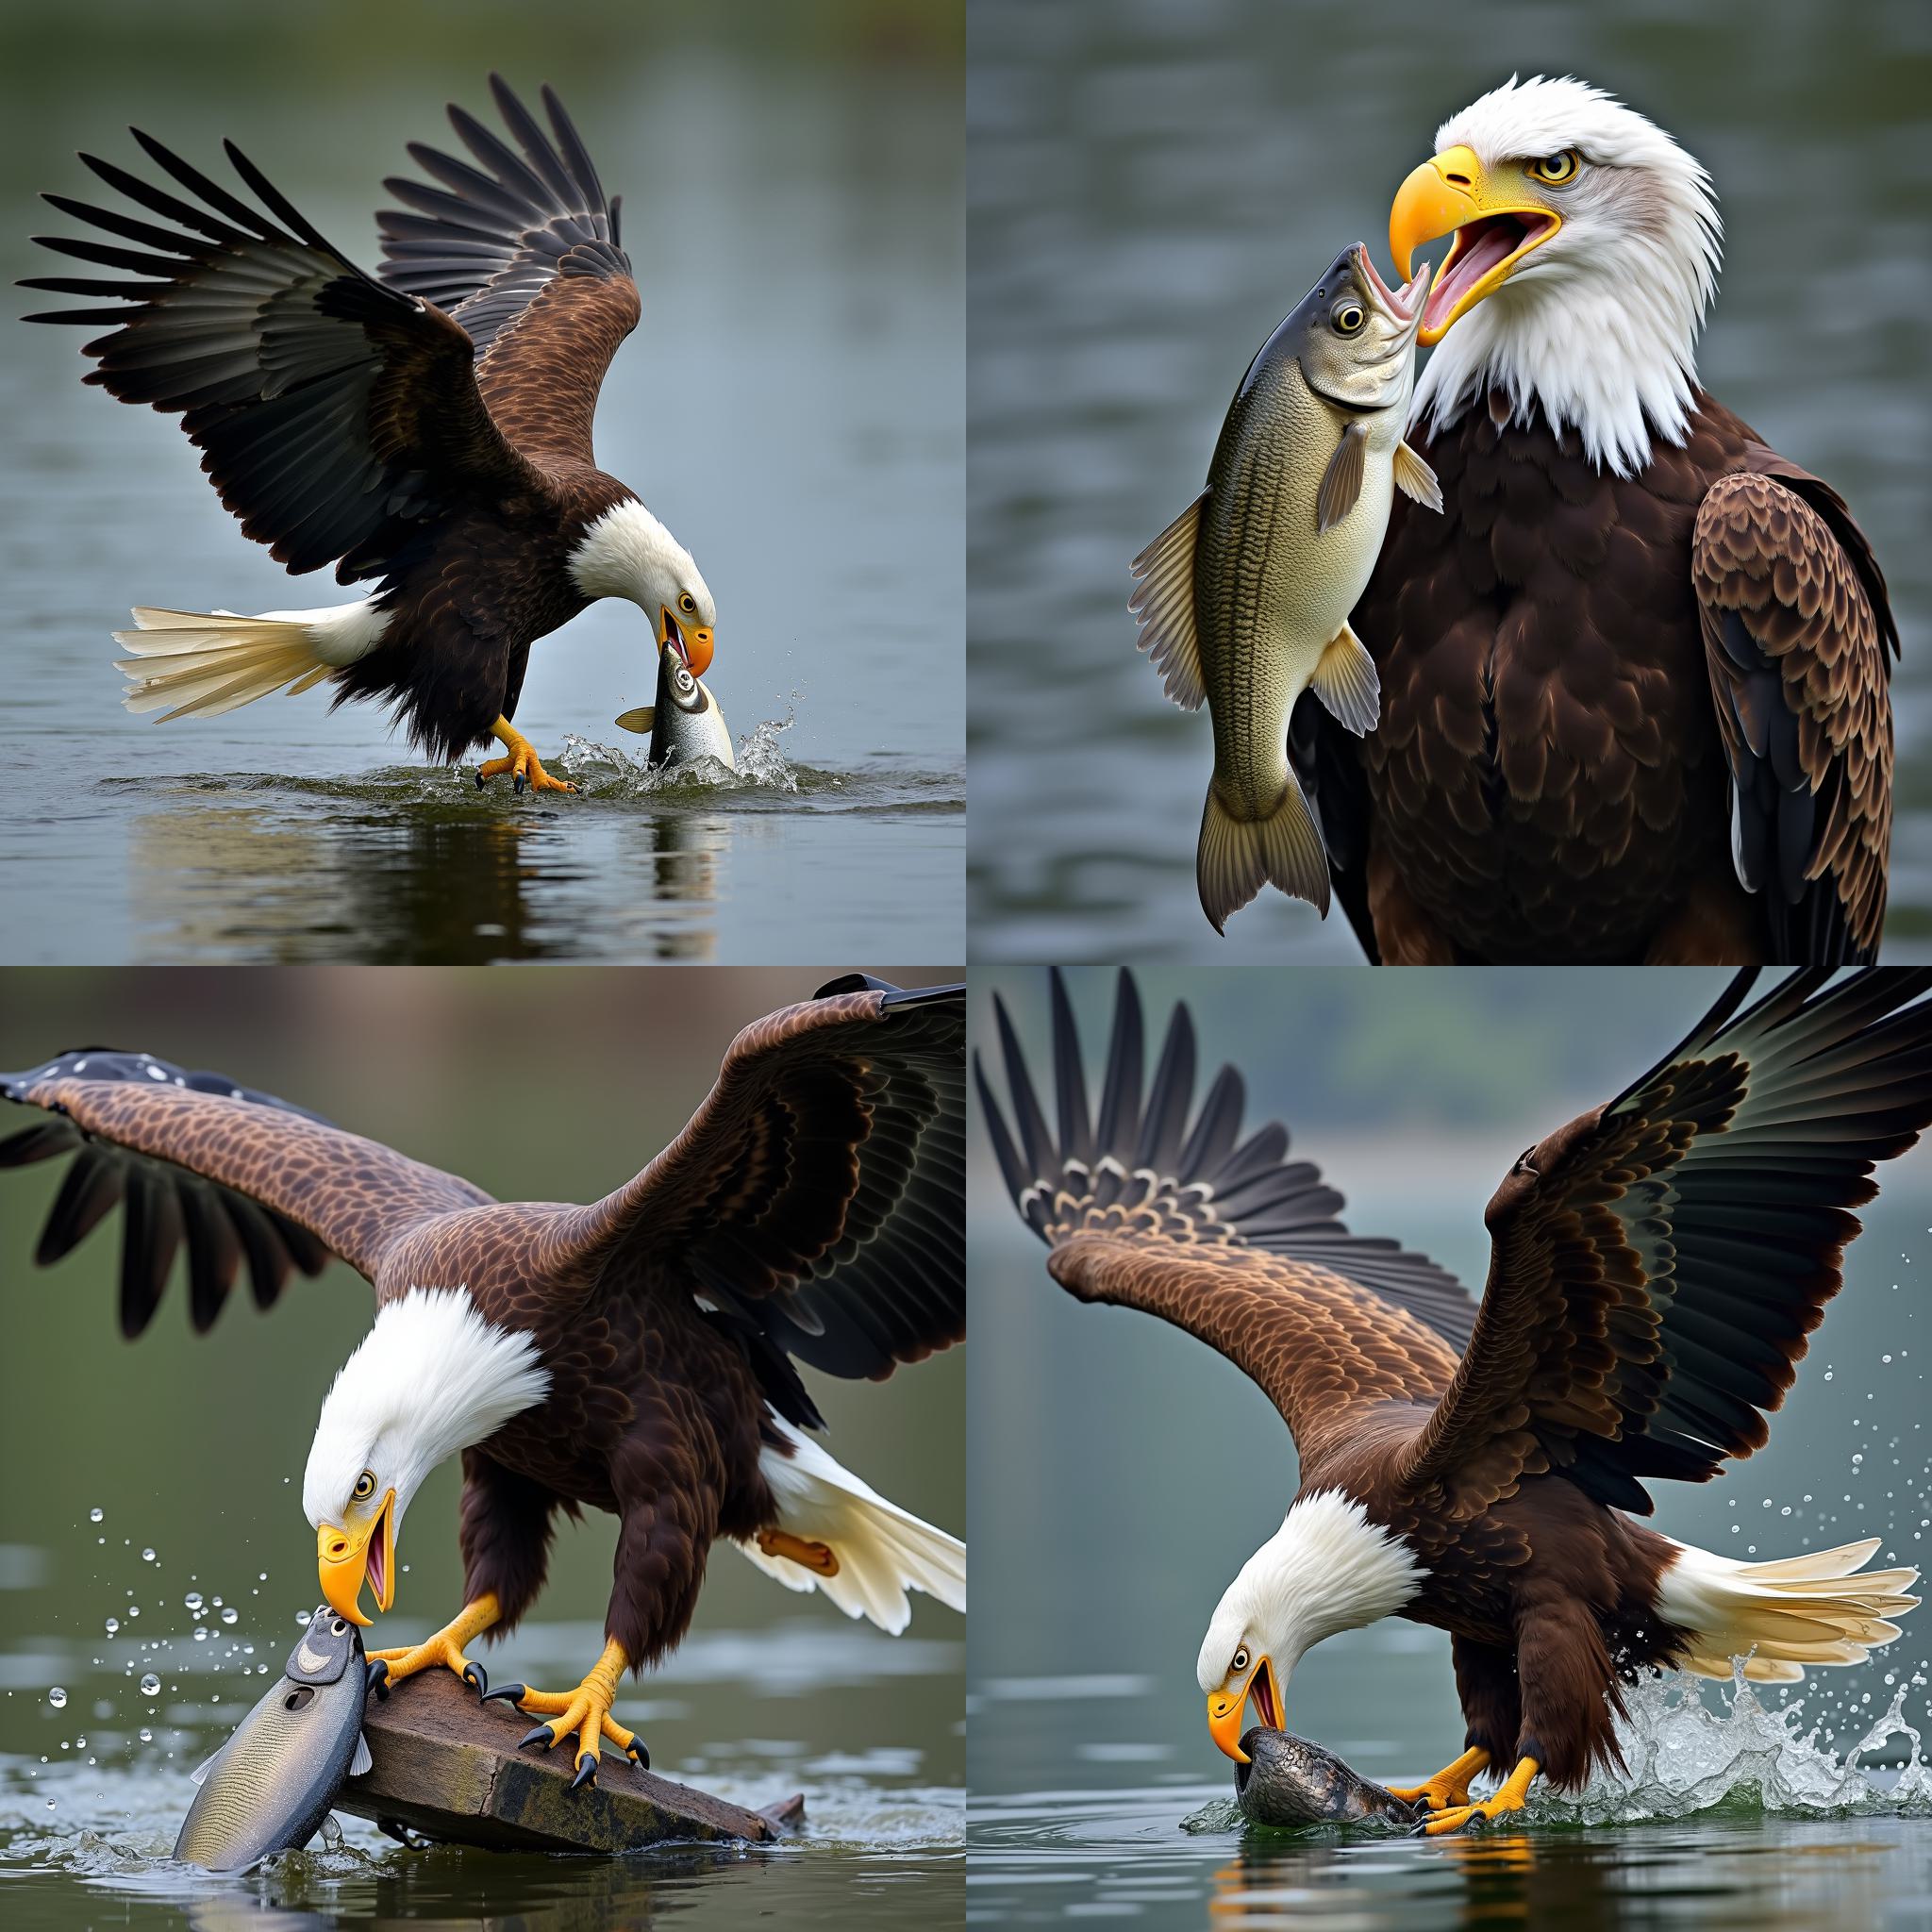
(446, 1767)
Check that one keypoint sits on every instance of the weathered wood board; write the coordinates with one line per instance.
(448, 1767)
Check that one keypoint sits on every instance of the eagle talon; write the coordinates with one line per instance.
(377, 1678)
(1507, 1798)
(585, 1710)
(636, 1752)
(520, 762)
(534, 1734)
(586, 1773)
(478, 1679)
(444, 1648)
(511, 1694)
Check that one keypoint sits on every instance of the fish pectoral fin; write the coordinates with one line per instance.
(361, 1761)
(1346, 683)
(643, 721)
(1341, 481)
(1163, 605)
(1414, 478)
(201, 1770)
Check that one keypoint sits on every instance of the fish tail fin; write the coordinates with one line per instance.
(1238, 857)
(1782, 1617)
(185, 664)
(858, 1549)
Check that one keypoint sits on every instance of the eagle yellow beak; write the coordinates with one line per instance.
(348, 1553)
(1225, 1710)
(1495, 222)
(694, 645)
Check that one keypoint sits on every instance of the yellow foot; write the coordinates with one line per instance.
(1509, 1798)
(521, 762)
(1449, 1786)
(817, 1557)
(444, 1648)
(585, 1710)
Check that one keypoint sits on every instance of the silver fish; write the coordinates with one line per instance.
(1291, 1780)
(1244, 598)
(269, 1787)
(685, 722)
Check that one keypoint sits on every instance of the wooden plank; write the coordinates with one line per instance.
(447, 1767)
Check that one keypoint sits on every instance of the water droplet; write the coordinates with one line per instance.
(134, 1609)
(150, 1685)
(147, 1736)
(147, 1556)
(113, 1624)
(261, 1576)
(192, 1599)
(50, 1804)
(229, 1616)
(58, 1698)
(201, 1636)
(95, 1515)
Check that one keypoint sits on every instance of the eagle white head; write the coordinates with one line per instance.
(1585, 260)
(430, 1378)
(1327, 1568)
(628, 553)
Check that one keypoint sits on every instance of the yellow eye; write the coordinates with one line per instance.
(365, 1486)
(688, 604)
(1349, 318)
(1556, 168)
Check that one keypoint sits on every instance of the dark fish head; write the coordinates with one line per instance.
(1354, 335)
(1291, 1780)
(330, 1646)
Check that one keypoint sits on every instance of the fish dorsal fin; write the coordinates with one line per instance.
(1414, 478)
(1164, 607)
(1345, 681)
(207, 1765)
(1341, 481)
(643, 721)
(361, 1761)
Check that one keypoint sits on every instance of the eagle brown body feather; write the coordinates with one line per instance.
(1567, 714)
(814, 1202)
(1657, 1266)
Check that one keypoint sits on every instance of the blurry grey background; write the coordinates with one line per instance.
(557, 1086)
(1152, 185)
(791, 403)
(1122, 1472)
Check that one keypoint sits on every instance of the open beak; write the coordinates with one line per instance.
(694, 645)
(1495, 225)
(347, 1556)
(1225, 1710)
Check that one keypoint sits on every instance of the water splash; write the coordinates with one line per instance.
(762, 765)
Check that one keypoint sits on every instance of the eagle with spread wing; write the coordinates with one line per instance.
(427, 428)
(635, 1355)
(1657, 1269)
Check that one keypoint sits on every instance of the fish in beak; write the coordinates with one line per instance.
(692, 644)
(1496, 219)
(1225, 1710)
(360, 1550)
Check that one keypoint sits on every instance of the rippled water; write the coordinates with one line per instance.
(1153, 186)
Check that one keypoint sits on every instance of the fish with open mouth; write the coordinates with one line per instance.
(685, 722)
(269, 1787)
(1244, 598)
(1291, 1780)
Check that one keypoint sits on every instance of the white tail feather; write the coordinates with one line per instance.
(883, 1551)
(193, 663)
(1781, 1617)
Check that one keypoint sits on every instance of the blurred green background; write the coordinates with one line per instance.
(552, 1086)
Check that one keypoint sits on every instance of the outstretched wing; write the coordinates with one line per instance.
(524, 252)
(1798, 635)
(1221, 1236)
(231, 1173)
(818, 1195)
(1659, 1264)
(338, 417)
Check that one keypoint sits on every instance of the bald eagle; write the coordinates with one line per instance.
(1635, 701)
(427, 428)
(634, 1356)
(1657, 1269)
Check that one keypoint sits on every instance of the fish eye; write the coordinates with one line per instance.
(688, 604)
(365, 1486)
(1240, 1660)
(1349, 317)
(1557, 168)
(337, 1629)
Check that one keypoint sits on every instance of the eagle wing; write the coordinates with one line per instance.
(337, 416)
(1220, 1235)
(1797, 636)
(234, 1174)
(818, 1195)
(1659, 1264)
(524, 252)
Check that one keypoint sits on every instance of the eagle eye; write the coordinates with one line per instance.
(1558, 168)
(688, 604)
(365, 1486)
(1240, 1660)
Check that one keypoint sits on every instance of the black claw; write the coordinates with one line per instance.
(479, 781)
(519, 784)
(475, 1675)
(635, 1751)
(378, 1678)
(587, 1774)
(536, 1732)
(510, 1693)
